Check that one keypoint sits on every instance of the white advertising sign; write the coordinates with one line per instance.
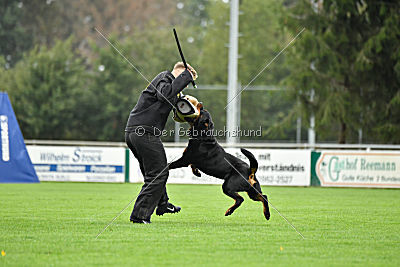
(281, 166)
(275, 167)
(359, 169)
(78, 164)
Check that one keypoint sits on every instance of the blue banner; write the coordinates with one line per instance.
(79, 168)
(15, 164)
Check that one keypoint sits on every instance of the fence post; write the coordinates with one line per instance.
(126, 165)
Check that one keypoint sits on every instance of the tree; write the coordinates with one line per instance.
(378, 66)
(45, 88)
(348, 59)
(13, 36)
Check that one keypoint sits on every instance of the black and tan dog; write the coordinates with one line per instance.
(205, 154)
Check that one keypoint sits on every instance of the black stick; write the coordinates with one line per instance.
(181, 53)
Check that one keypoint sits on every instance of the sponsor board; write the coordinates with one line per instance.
(359, 169)
(78, 164)
(275, 167)
(290, 167)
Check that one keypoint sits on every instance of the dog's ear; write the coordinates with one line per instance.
(206, 120)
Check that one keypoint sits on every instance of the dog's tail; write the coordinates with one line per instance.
(252, 159)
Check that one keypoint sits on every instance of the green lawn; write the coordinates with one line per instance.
(56, 224)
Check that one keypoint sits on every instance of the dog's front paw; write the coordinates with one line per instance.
(197, 172)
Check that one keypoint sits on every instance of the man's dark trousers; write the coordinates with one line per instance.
(149, 151)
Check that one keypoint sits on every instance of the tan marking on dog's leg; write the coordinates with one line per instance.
(260, 198)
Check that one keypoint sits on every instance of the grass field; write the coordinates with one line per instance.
(56, 224)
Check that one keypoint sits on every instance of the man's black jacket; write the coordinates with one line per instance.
(154, 104)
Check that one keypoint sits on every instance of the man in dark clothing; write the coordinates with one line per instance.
(145, 124)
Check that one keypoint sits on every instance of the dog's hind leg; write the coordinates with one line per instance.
(256, 195)
(238, 199)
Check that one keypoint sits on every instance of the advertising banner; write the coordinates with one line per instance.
(283, 167)
(276, 167)
(78, 164)
(358, 169)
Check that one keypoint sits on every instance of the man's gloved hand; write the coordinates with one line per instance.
(191, 74)
(192, 71)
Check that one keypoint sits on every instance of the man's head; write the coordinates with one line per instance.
(180, 67)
